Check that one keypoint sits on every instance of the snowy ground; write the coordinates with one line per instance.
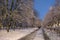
(14, 35)
(52, 35)
(39, 35)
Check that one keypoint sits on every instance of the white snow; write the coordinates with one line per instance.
(14, 35)
(39, 35)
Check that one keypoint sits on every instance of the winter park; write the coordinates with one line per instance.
(29, 19)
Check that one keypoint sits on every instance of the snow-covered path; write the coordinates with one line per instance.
(14, 35)
(39, 35)
(36, 35)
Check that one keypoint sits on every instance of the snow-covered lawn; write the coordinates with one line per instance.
(52, 34)
(14, 35)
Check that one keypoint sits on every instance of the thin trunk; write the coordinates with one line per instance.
(58, 23)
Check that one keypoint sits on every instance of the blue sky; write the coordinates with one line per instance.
(42, 7)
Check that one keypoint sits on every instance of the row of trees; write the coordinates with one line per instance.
(19, 15)
(6, 15)
(52, 18)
